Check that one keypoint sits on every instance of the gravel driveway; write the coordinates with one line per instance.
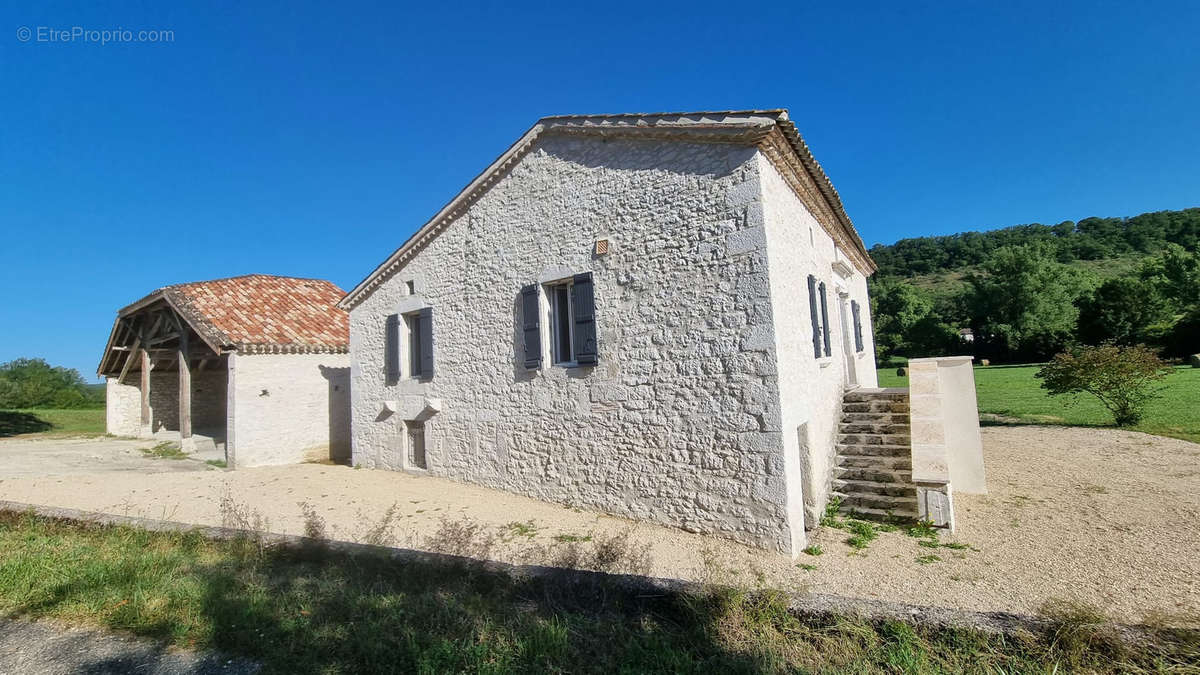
(27, 458)
(1103, 516)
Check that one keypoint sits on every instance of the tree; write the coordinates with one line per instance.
(33, 383)
(1121, 377)
(1023, 302)
(1126, 311)
(895, 307)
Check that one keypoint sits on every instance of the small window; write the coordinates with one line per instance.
(562, 324)
(415, 346)
(416, 445)
(410, 287)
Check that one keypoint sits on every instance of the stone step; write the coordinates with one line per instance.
(873, 473)
(886, 515)
(869, 488)
(884, 503)
(875, 439)
(876, 406)
(865, 395)
(874, 418)
(873, 428)
(881, 450)
(875, 462)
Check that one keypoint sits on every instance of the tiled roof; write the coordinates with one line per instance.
(731, 126)
(260, 313)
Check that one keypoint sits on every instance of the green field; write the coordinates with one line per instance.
(1014, 394)
(82, 422)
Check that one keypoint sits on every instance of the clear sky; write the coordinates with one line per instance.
(311, 138)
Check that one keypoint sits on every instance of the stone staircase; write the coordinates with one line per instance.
(873, 467)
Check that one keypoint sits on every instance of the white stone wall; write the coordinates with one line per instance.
(123, 408)
(680, 421)
(810, 388)
(287, 408)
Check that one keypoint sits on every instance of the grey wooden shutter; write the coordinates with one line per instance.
(858, 345)
(583, 303)
(531, 330)
(824, 320)
(391, 349)
(426, 329)
(812, 310)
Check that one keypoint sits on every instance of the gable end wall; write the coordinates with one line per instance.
(680, 421)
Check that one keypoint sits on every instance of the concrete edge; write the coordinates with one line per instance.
(808, 605)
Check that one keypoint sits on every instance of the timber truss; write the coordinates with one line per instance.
(153, 336)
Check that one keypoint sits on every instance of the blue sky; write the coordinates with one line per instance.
(311, 138)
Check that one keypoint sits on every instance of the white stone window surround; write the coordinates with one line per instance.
(408, 308)
(549, 281)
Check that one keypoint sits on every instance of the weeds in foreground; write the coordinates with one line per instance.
(380, 533)
(347, 613)
(813, 550)
(515, 529)
(165, 450)
(314, 523)
(219, 463)
(463, 537)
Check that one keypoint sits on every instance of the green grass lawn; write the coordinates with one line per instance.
(319, 611)
(1013, 392)
(84, 422)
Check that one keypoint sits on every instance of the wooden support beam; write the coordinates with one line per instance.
(145, 388)
(133, 354)
(185, 389)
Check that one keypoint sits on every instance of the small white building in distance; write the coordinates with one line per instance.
(251, 370)
(653, 315)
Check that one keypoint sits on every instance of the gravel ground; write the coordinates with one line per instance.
(1102, 516)
(47, 648)
(29, 457)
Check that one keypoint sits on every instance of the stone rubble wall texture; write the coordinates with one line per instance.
(810, 389)
(680, 422)
(122, 408)
(303, 416)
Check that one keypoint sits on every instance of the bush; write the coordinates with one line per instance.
(1121, 377)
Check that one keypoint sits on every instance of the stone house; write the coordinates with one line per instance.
(652, 315)
(252, 370)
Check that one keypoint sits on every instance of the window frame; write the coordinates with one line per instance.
(558, 310)
(412, 340)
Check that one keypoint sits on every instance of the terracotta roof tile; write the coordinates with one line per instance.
(264, 313)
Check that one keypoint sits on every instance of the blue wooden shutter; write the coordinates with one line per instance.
(531, 330)
(812, 310)
(858, 345)
(583, 303)
(824, 320)
(391, 349)
(426, 330)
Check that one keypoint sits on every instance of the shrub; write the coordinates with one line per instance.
(1121, 377)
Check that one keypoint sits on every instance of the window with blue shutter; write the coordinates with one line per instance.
(531, 328)
(573, 322)
(420, 343)
(391, 349)
(858, 341)
(583, 308)
(814, 315)
(824, 320)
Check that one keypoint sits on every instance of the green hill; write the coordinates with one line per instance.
(1027, 291)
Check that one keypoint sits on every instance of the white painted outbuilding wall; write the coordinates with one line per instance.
(690, 417)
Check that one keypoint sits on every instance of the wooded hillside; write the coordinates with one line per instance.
(1028, 291)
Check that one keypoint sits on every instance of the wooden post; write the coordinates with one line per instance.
(185, 388)
(145, 390)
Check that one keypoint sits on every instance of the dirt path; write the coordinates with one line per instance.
(1103, 516)
(48, 648)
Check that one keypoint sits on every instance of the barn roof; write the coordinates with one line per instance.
(259, 313)
(771, 130)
